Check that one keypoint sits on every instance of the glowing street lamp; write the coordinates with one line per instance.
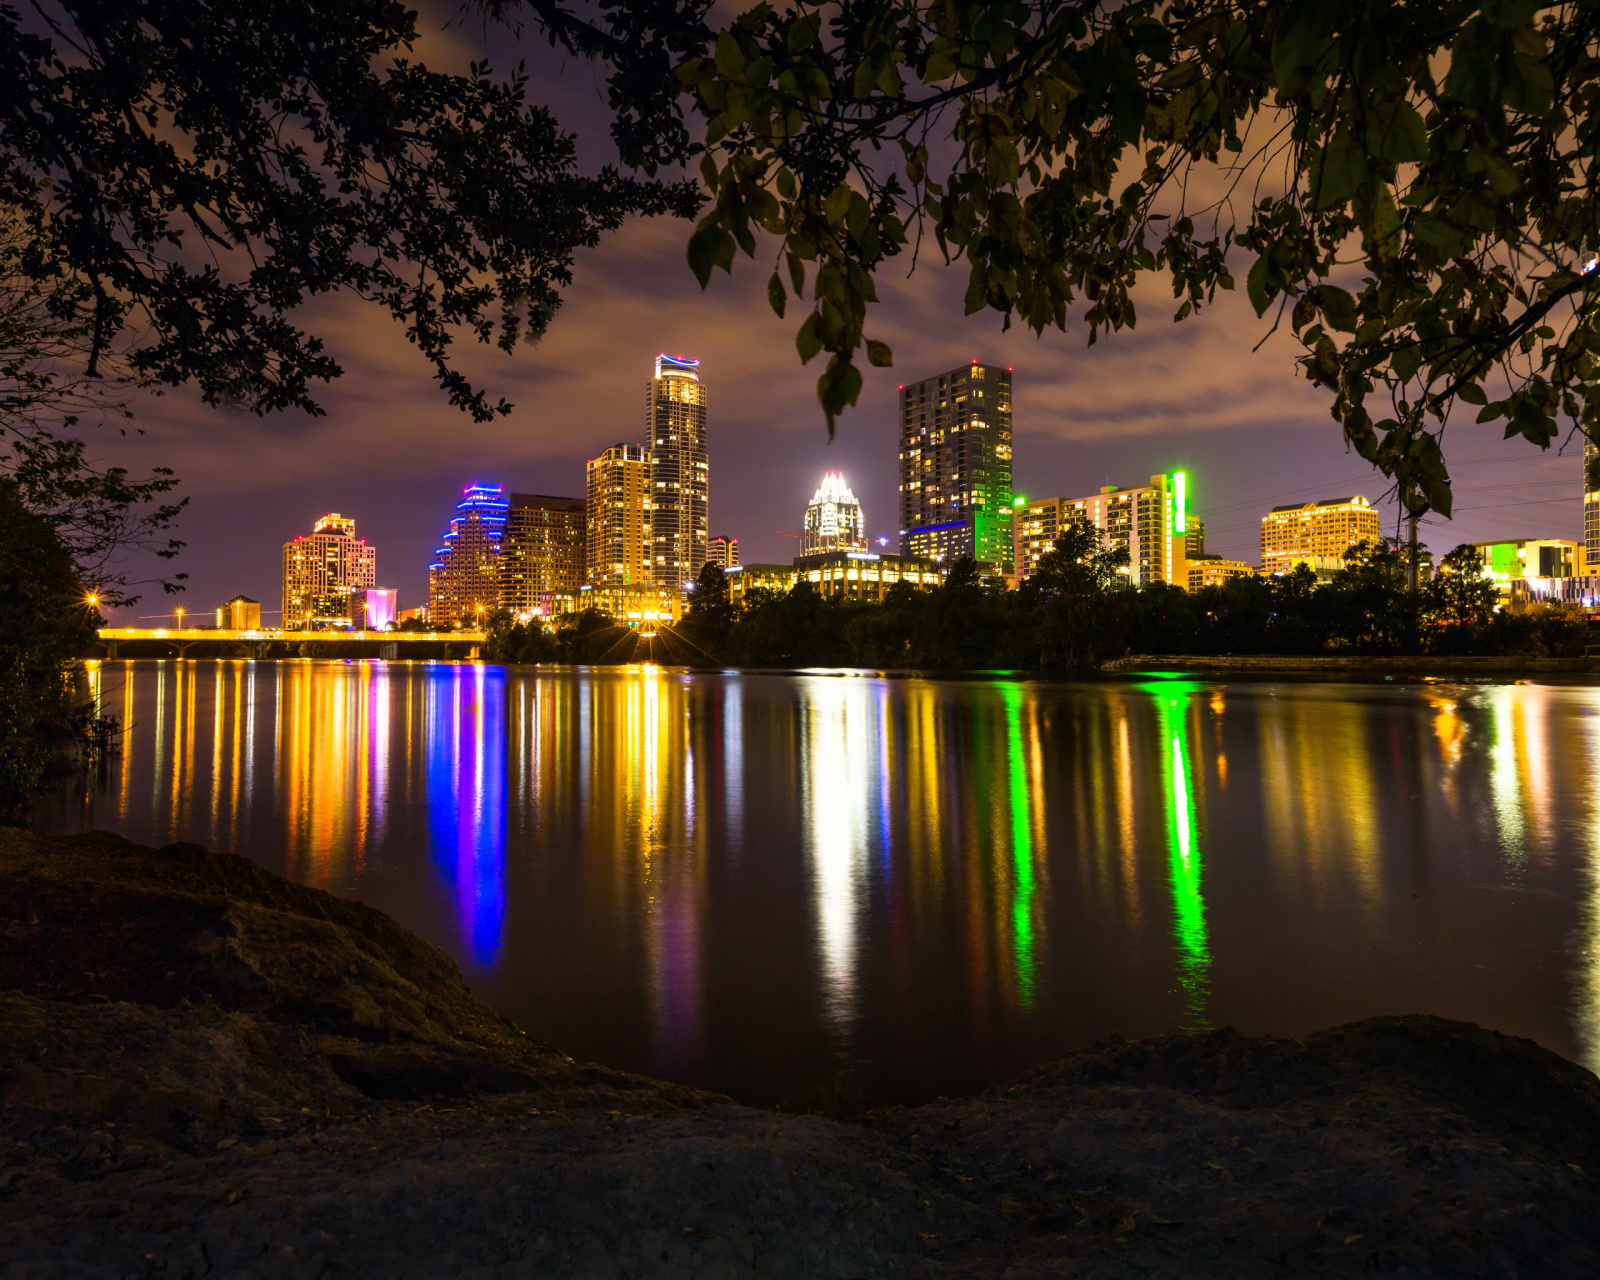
(180, 617)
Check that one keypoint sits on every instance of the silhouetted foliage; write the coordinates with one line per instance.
(1078, 611)
(45, 622)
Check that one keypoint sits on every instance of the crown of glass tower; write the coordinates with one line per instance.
(464, 578)
(833, 519)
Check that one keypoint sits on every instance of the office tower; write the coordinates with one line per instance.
(617, 518)
(833, 519)
(676, 421)
(723, 552)
(955, 466)
(1328, 529)
(321, 569)
(1194, 539)
(464, 578)
(240, 614)
(542, 551)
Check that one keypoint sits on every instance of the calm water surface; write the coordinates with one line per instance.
(767, 884)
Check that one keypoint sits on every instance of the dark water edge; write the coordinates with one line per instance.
(870, 888)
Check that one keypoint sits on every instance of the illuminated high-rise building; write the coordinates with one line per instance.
(955, 466)
(1139, 519)
(617, 535)
(1591, 509)
(542, 551)
(1035, 526)
(676, 421)
(464, 578)
(1327, 529)
(833, 519)
(321, 569)
(723, 552)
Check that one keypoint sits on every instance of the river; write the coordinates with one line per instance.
(792, 886)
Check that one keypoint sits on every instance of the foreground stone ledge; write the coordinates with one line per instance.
(208, 1071)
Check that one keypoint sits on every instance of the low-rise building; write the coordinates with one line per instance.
(240, 614)
(864, 575)
(634, 604)
(745, 578)
(1213, 571)
(373, 608)
(1507, 561)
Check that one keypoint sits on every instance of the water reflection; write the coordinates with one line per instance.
(754, 882)
(1183, 843)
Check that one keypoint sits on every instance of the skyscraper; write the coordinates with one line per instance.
(723, 552)
(955, 465)
(676, 421)
(617, 518)
(833, 519)
(542, 550)
(321, 569)
(464, 578)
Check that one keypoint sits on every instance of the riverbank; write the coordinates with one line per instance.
(1353, 664)
(208, 1071)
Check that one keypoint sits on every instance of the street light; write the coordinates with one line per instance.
(180, 617)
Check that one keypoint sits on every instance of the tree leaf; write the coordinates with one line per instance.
(807, 342)
(777, 298)
(1405, 137)
(879, 355)
(1338, 307)
(1255, 285)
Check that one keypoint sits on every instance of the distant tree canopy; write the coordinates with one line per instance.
(1073, 615)
(1413, 186)
(188, 174)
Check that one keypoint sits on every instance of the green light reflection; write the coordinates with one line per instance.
(1183, 857)
(1022, 931)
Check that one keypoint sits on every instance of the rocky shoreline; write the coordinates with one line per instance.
(208, 1071)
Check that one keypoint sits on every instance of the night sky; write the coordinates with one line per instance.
(392, 453)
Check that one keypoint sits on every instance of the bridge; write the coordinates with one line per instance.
(163, 642)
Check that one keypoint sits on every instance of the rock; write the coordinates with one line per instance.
(247, 1098)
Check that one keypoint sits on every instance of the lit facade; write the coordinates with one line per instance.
(723, 552)
(1328, 528)
(1591, 511)
(1035, 527)
(680, 474)
(321, 569)
(745, 578)
(633, 605)
(464, 578)
(955, 466)
(864, 575)
(617, 517)
(1141, 519)
(374, 608)
(833, 519)
(240, 614)
(543, 550)
(1506, 562)
(1213, 571)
